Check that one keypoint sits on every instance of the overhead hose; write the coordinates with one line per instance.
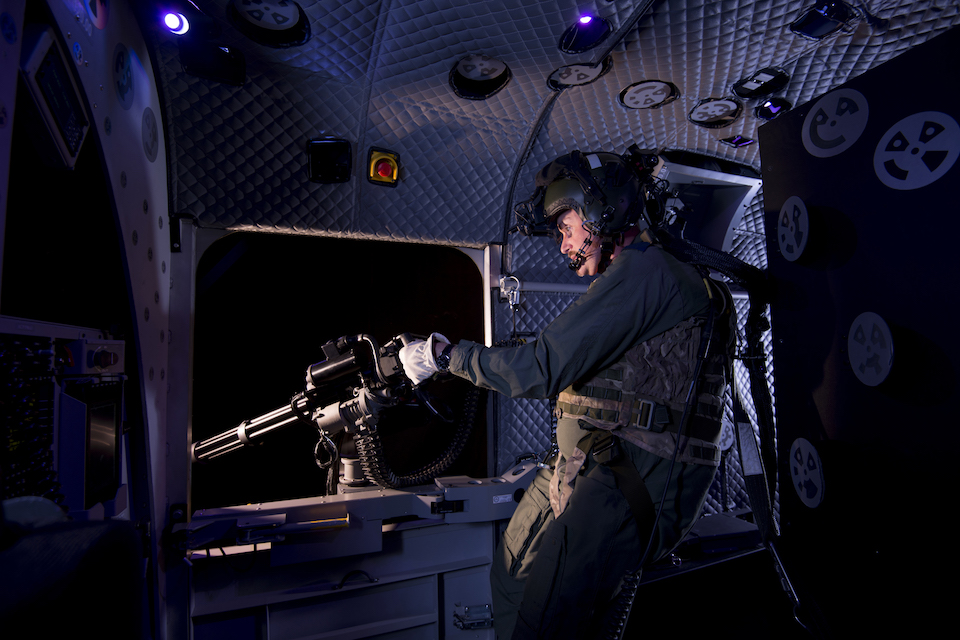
(377, 470)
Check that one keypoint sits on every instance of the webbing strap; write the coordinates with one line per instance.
(605, 449)
(646, 414)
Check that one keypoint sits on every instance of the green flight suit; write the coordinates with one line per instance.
(565, 570)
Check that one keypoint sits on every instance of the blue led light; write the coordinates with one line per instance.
(176, 22)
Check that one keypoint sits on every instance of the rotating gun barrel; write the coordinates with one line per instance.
(378, 382)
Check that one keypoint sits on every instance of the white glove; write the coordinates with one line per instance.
(418, 360)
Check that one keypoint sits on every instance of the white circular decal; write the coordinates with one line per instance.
(835, 123)
(727, 436)
(715, 113)
(870, 347)
(649, 94)
(577, 74)
(793, 228)
(917, 151)
(806, 472)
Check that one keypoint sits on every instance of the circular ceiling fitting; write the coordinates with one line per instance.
(649, 94)
(587, 32)
(715, 113)
(273, 23)
(575, 75)
(478, 76)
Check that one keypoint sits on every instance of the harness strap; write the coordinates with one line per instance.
(605, 449)
(645, 414)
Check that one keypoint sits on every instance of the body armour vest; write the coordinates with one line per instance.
(641, 398)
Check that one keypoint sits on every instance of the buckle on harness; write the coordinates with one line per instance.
(645, 414)
(652, 416)
(607, 450)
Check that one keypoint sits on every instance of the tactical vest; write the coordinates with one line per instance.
(641, 398)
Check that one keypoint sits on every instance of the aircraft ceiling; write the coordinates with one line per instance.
(377, 73)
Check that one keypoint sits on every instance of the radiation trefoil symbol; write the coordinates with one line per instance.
(917, 151)
(123, 76)
(276, 15)
(806, 472)
(793, 229)
(835, 123)
(480, 67)
(870, 348)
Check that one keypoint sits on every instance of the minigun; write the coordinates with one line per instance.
(378, 383)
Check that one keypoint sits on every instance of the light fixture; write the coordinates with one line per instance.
(772, 108)
(762, 83)
(823, 19)
(586, 33)
(201, 54)
(176, 23)
(737, 141)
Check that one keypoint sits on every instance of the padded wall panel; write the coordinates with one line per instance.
(860, 433)
(377, 74)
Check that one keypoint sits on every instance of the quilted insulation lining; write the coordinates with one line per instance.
(376, 74)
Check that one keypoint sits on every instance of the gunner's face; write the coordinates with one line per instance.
(572, 237)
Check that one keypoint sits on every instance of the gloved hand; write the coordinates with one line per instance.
(418, 360)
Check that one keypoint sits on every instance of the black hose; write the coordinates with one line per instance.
(377, 470)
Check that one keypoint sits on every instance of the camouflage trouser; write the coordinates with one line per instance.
(555, 577)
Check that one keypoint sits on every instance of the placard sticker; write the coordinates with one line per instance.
(917, 151)
(870, 347)
(8, 27)
(834, 123)
(793, 229)
(806, 472)
(150, 134)
(123, 76)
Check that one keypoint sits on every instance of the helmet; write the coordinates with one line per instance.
(605, 189)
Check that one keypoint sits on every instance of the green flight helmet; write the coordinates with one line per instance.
(602, 188)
